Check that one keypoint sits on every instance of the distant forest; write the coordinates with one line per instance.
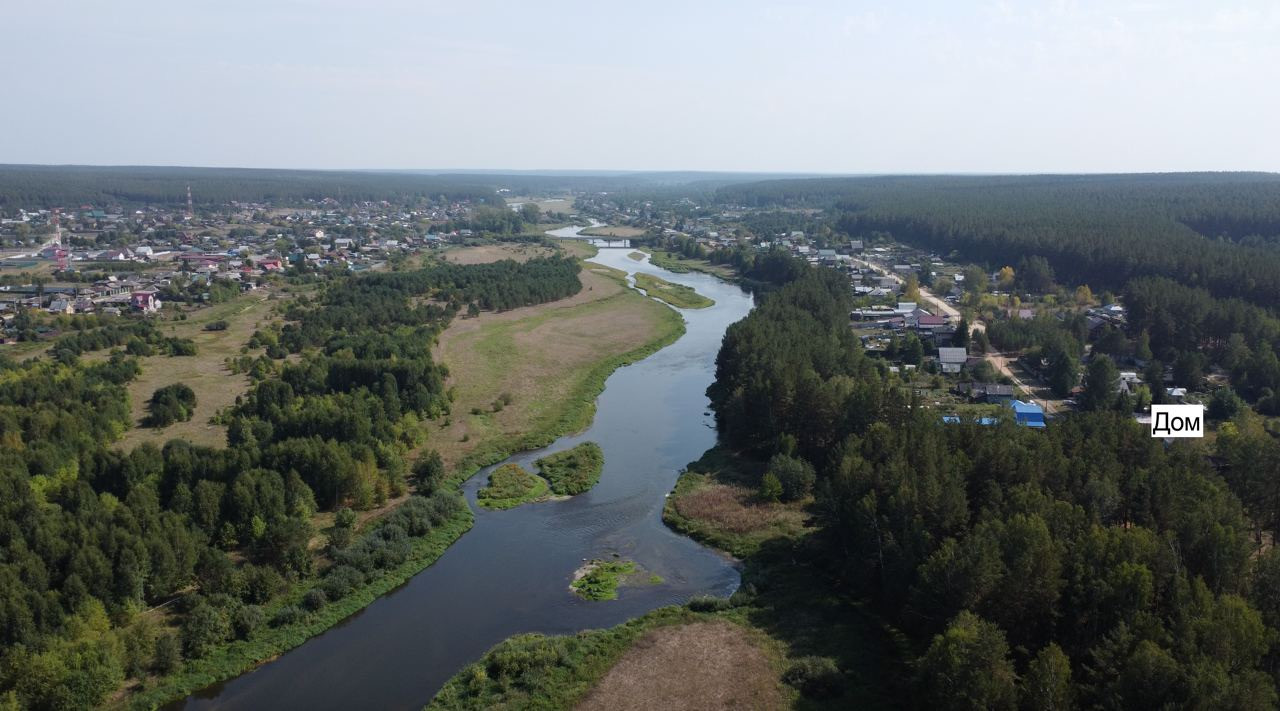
(1217, 231)
(36, 186)
(45, 186)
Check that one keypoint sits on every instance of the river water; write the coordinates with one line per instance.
(510, 573)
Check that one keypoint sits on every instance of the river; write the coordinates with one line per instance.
(510, 573)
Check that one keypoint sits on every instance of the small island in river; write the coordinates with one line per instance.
(509, 486)
(574, 470)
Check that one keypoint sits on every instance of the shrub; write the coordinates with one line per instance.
(344, 518)
(180, 346)
(815, 677)
(260, 584)
(340, 581)
(246, 620)
(314, 599)
(204, 628)
(770, 487)
(287, 616)
(339, 538)
(169, 404)
(168, 654)
(428, 472)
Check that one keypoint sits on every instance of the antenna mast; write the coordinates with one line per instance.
(191, 210)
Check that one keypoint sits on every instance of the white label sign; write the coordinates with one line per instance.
(1177, 421)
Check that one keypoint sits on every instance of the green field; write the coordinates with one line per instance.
(677, 295)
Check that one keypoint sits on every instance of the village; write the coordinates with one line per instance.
(909, 313)
(116, 262)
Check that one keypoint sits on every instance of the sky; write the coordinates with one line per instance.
(734, 85)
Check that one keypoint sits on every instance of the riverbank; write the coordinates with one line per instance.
(537, 671)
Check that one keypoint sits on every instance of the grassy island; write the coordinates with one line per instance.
(677, 295)
(573, 471)
(600, 579)
(509, 486)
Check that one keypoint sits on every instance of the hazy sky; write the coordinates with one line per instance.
(696, 84)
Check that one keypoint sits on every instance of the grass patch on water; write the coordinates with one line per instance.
(509, 486)
(599, 580)
(573, 471)
(677, 295)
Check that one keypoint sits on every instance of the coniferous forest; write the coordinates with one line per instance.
(1087, 565)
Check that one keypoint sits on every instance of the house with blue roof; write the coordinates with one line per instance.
(1028, 414)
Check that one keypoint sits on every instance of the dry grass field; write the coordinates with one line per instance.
(716, 502)
(542, 356)
(702, 665)
(496, 252)
(206, 373)
(546, 204)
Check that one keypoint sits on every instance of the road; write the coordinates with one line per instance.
(1001, 363)
(943, 308)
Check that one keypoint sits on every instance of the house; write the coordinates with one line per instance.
(928, 322)
(1028, 414)
(984, 421)
(62, 306)
(942, 335)
(991, 393)
(952, 359)
(905, 308)
(146, 300)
